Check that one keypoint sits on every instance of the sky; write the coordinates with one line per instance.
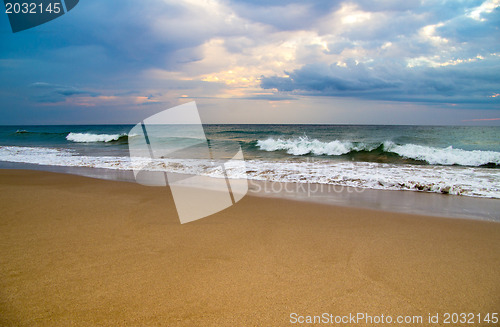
(255, 61)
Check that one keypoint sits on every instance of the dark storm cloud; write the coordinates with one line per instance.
(330, 79)
(471, 83)
(53, 93)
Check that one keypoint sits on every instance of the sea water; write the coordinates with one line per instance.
(456, 160)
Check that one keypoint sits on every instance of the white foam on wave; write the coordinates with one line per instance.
(58, 157)
(69, 158)
(303, 145)
(468, 181)
(91, 138)
(432, 155)
(444, 156)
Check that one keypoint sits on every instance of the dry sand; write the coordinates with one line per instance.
(86, 252)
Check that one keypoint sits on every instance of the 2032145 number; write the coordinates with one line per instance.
(470, 318)
(32, 8)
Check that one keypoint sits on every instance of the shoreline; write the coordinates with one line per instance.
(83, 251)
(398, 201)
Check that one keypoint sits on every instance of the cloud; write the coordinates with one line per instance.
(270, 97)
(475, 35)
(482, 119)
(127, 93)
(53, 93)
(437, 53)
(402, 51)
(465, 83)
(284, 15)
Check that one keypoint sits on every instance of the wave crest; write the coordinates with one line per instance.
(92, 138)
(444, 156)
(431, 155)
(303, 145)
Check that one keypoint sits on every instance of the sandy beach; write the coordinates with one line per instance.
(76, 251)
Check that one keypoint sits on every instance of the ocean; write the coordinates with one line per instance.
(457, 160)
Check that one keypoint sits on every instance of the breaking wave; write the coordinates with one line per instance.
(387, 151)
(92, 138)
(459, 180)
